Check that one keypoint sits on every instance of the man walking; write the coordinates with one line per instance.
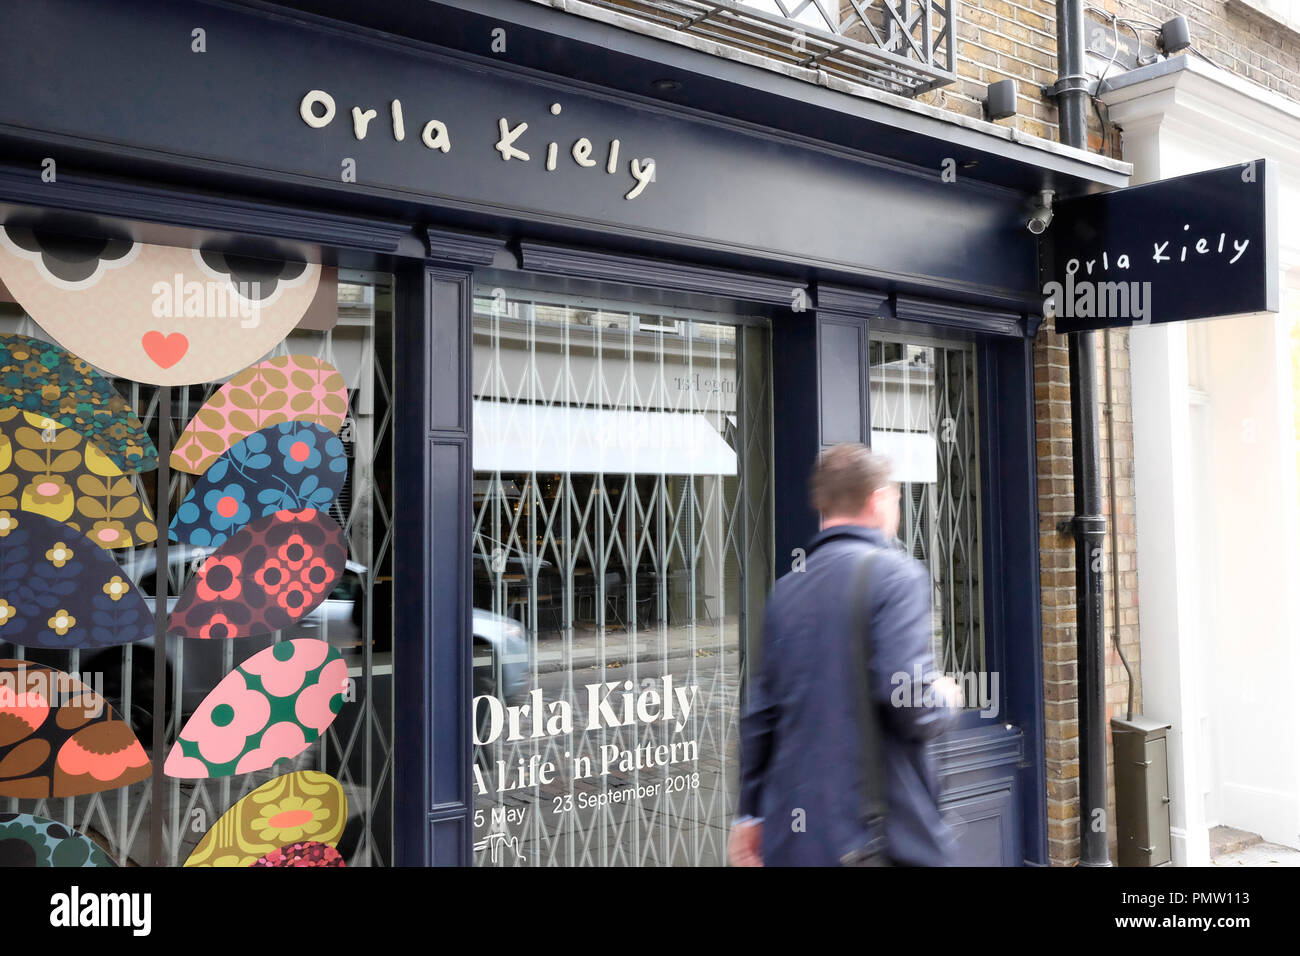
(803, 786)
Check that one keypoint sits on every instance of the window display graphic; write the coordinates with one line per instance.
(272, 706)
(51, 470)
(292, 815)
(59, 590)
(29, 840)
(59, 738)
(609, 705)
(269, 507)
(290, 466)
(50, 382)
(286, 388)
(267, 576)
(177, 316)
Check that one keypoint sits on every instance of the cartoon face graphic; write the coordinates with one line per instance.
(157, 314)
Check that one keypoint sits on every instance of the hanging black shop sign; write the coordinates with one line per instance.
(1192, 247)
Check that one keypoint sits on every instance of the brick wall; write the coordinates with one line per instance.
(1233, 35)
(1002, 40)
(1056, 504)
(1056, 556)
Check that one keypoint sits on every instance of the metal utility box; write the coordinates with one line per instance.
(1142, 791)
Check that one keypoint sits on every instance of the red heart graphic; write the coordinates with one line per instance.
(165, 350)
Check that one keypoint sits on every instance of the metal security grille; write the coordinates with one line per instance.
(903, 46)
(622, 539)
(356, 618)
(923, 414)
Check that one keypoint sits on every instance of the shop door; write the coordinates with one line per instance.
(622, 551)
(930, 412)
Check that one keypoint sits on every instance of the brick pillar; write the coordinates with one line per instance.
(1056, 554)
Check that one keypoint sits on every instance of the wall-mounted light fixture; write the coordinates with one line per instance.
(1175, 36)
(1000, 100)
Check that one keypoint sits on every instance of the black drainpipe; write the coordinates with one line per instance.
(1088, 525)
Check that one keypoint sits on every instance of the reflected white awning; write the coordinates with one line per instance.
(522, 437)
(914, 454)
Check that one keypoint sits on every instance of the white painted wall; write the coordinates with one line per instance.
(1218, 520)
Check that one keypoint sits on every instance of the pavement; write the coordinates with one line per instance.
(1230, 847)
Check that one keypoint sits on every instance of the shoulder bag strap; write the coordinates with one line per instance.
(875, 804)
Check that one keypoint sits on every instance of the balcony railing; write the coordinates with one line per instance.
(903, 46)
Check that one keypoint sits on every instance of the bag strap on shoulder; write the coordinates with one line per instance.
(875, 803)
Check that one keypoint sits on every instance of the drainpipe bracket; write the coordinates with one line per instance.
(1069, 83)
(1083, 526)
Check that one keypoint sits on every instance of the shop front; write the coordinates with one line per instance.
(541, 324)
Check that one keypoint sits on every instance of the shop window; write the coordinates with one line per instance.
(327, 337)
(622, 523)
(924, 416)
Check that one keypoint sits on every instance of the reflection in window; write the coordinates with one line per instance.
(923, 415)
(621, 532)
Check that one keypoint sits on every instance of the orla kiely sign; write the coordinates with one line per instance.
(566, 762)
(318, 109)
(1192, 247)
(314, 110)
(609, 705)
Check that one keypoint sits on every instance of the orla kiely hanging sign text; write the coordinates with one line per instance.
(1193, 247)
(515, 142)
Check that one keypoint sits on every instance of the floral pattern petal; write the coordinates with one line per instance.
(267, 576)
(291, 466)
(286, 388)
(256, 715)
(306, 804)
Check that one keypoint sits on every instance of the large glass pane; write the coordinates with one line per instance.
(923, 415)
(349, 325)
(622, 529)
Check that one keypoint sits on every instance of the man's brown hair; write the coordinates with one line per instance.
(845, 476)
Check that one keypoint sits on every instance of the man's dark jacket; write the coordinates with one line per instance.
(800, 737)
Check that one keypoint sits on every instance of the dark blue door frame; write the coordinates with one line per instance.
(993, 768)
(432, 736)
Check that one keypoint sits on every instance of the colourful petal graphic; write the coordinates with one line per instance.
(59, 590)
(267, 576)
(51, 470)
(271, 707)
(286, 467)
(302, 854)
(296, 388)
(44, 379)
(58, 738)
(28, 840)
(158, 314)
(302, 806)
